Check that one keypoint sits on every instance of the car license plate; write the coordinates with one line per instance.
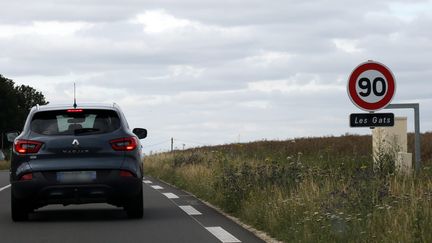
(76, 176)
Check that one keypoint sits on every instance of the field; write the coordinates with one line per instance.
(308, 189)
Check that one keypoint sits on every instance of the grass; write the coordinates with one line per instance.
(4, 165)
(308, 189)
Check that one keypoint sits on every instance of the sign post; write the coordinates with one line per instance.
(417, 147)
(371, 87)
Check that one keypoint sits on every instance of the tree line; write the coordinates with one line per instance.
(15, 104)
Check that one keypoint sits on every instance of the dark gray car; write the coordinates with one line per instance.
(67, 155)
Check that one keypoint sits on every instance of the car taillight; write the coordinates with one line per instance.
(125, 173)
(74, 110)
(27, 146)
(26, 177)
(124, 144)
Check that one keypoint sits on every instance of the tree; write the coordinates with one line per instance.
(8, 104)
(27, 98)
(15, 104)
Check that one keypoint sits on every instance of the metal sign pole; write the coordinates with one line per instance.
(416, 108)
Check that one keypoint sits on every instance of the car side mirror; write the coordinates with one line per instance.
(11, 136)
(140, 132)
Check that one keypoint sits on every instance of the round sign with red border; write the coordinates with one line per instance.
(371, 86)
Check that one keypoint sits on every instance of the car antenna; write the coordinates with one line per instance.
(75, 104)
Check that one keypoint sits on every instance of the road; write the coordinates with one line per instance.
(170, 215)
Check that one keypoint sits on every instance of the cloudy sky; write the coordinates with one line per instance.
(216, 71)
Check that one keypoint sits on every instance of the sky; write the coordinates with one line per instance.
(213, 72)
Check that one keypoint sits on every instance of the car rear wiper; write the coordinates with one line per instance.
(85, 130)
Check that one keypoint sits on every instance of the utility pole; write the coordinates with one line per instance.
(184, 146)
(172, 144)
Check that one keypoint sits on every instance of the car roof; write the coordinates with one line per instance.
(51, 107)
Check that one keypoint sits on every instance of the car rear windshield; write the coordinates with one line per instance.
(75, 122)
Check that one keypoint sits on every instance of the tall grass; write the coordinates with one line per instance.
(4, 165)
(307, 190)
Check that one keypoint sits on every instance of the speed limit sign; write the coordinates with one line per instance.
(371, 86)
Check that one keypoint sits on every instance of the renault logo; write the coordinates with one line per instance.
(75, 143)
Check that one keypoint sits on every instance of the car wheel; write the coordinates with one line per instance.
(19, 209)
(135, 206)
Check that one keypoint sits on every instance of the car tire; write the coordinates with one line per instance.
(135, 206)
(19, 209)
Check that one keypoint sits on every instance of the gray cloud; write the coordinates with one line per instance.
(216, 71)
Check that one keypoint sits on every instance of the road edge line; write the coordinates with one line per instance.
(223, 235)
(5, 187)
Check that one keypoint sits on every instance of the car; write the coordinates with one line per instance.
(76, 155)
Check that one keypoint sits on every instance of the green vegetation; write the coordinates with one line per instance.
(4, 165)
(307, 190)
(15, 103)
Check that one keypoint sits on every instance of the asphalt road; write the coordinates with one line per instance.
(170, 215)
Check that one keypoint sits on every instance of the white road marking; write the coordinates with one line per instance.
(190, 210)
(222, 234)
(157, 187)
(5, 187)
(170, 195)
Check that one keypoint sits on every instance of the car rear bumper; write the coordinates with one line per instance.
(43, 189)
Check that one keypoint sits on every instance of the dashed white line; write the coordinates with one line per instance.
(147, 182)
(5, 187)
(223, 235)
(157, 187)
(190, 210)
(170, 195)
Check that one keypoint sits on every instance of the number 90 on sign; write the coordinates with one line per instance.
(371, 86)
